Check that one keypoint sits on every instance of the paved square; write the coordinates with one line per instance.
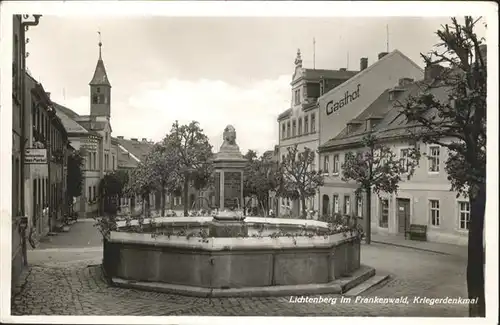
(59, 285)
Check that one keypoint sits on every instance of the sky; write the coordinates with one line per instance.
(217, 71)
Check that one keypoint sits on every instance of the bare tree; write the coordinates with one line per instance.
(462, 117)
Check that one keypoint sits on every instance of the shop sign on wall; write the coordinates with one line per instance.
(35, 156)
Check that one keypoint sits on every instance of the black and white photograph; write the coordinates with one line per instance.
(262, 159)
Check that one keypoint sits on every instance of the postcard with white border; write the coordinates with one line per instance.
(199, 162)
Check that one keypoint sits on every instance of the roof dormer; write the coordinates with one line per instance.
(353, 126)
(372, 121)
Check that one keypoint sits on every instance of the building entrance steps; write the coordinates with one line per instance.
(401, 241)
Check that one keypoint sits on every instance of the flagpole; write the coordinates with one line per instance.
(387, 36)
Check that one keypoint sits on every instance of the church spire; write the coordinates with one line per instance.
(100, 77)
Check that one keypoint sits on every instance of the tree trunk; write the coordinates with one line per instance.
(186, 193)
(303, 203)
(475, 262)
(368, 217)
(163, 201)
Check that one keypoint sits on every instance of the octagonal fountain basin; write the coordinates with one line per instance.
(205, 256)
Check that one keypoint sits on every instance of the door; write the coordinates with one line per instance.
(403, 215)
(326, 205)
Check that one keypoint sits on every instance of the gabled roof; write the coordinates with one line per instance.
(68, 112)
(313, 74)
(125, 160)
(138, 150)
(371, 67)
(392, 122)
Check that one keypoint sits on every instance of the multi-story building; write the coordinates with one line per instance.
(299, 125)
(18, 60)
(20, 123)
(425, 198)
(324, 100)
(92, 134)
(46, 190)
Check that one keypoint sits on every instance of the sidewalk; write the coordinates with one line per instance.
(81, 234)
(447, 249)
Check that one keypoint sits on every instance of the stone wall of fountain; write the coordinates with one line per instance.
(218, 265)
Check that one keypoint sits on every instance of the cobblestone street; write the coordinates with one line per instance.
(69, 281)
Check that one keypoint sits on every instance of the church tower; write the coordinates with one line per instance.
(100, 90)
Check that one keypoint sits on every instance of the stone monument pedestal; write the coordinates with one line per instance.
(229, 165)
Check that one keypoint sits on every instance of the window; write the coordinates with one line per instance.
(95, 193)
(89, 161)
(384, 213)
(359, 206)
(15, 72)
(306, 124)
(464, 215)
(294, 128)
(347, 205)
(106, 136)
(336, 164)
(90, 193)
(44, 191)
(326, 164)
(283, 130)
(300, 126)
(95, 99)
(98, 90)
(113, 162)
(282, 158)
(313, 123)
(95, 160)
(434, 159)
(288, 129)
(336, 203)
(404, 159)
(297, 97)
(434, 212)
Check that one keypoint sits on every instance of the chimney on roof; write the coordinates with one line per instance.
(343, 69)
(144, 140)
(432, 71)
(134, 139)
(363, 64)
(382, 54)
(48, 94)
(120, 137)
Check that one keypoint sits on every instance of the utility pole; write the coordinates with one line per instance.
(314, 53)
